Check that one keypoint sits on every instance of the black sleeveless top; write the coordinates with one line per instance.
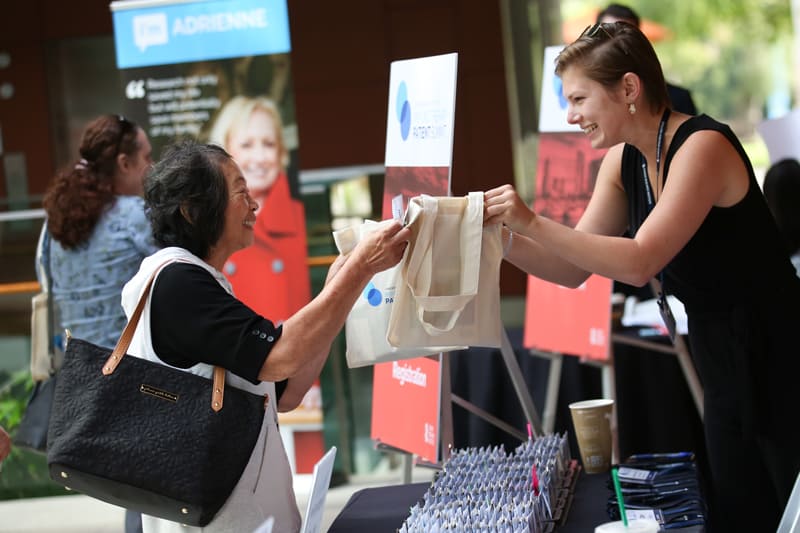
(737, 253)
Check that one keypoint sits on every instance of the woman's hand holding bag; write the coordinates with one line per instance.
(365, 328)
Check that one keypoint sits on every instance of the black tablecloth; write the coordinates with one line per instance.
(383, 509)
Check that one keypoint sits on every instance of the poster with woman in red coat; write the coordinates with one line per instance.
(271, 276)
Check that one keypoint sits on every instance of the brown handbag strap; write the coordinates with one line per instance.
(119, 351)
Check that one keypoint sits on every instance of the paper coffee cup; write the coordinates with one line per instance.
(592, 421)
(634, 526)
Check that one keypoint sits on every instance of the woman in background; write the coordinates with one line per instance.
(95, 216)
(271, 277)
(99, 233)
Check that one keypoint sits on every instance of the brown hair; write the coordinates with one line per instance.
(607, 51)
(79, 194)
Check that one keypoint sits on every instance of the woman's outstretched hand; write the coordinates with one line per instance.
(384, 247)
(503, 205)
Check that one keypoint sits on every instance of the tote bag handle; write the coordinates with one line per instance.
(420, 265)
(120, 350)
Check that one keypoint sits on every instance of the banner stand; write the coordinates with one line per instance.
(419, 142)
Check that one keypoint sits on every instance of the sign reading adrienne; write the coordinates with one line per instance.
(220, 72)
(147, 34)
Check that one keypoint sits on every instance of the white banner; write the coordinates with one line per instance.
(419, 125)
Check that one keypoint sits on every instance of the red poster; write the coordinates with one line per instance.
(569, 321)
(557, 319)
(408, 182)
(405, 406)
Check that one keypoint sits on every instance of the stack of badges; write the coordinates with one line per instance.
(487, 490)
(664, 487)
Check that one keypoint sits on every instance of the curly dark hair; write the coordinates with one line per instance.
(186, 195)
(79, 194)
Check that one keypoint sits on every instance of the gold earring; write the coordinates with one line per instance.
(631, 108)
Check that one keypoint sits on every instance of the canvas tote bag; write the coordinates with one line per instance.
(365, 327)
(449, 287)
(46, 357)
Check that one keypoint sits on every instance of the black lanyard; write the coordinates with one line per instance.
(651, 199)
(663, 305)
(662, 126)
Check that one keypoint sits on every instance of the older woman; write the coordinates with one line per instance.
(202, 212)
(684, 188)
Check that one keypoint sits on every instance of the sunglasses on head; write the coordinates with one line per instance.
(595, 30)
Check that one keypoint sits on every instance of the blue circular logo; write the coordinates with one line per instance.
(558, 87)
(403, 110)
(373, 295)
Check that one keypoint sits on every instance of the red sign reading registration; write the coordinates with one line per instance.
(405, 406)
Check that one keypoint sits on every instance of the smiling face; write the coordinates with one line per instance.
(597, 110)
(256, 147)
(237, 232)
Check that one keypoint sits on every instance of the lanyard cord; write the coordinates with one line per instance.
(651, 198)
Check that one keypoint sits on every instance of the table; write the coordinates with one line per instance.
(383, 509)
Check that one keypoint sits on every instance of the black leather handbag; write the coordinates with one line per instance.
(147, 437)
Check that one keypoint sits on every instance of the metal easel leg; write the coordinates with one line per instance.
(610, 391)
(520, 387)
(551, 398)
(445, 408)
(685, 360)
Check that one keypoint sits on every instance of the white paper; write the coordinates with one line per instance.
(782, 136)
(266, 527)
(320, 481)
(645, 313)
